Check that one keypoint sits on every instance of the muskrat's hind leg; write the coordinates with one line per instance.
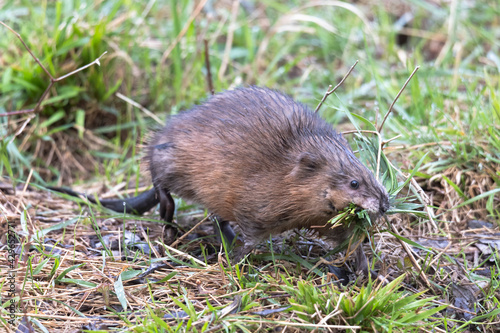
(167, 208)
(362, 264)
(167, 205)
(222, 227)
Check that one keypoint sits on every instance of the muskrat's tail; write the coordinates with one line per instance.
(135, 205)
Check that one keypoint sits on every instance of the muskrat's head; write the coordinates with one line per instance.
(360, 188)
(339, 179)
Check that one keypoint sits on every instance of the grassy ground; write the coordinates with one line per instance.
(87, 133)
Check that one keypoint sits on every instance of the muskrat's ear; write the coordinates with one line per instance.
(307, 163)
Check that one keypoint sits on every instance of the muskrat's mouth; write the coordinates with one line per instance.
(355, 214)
(358, 209)
(332, 207)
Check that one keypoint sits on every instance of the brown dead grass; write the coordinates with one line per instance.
(446, 198)
(48, 301)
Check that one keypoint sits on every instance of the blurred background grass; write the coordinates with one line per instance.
(156, 58)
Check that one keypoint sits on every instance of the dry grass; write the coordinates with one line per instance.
(84, 298)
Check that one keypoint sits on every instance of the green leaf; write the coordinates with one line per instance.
(455, 187)
(181, 305)
(68, 45)
(415, 169)
(491, 314)
(40, 266)
(120, 292)
(61, 128)
(479, 197)
(4, 157)
(66, 271)
(65, 93)
(26, 84)
(7, 76)
(412, 243)
(80, 122)
(41, 233)
(130, 274)
(112, 90)
(57, 263)
(168, 277)
(24, 225)
(159, 321)
(369, 124)
(55, 117)
(423, 315)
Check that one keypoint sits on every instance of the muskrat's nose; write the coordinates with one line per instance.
(384, 205)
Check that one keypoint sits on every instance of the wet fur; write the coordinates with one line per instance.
(256, 157)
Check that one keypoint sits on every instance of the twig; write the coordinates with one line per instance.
(191, 230)
(13, 113)
(26, 47)
(140, 107)
(329, 92)
(20, 129)
(397, 97)
(52, 79)
(427, 203)
(183, 254)
(334, 312)
(428, 144)
(412, 258)
(207, 65)
(82, 68)
(380, 144)
(23, 193)
(389, 140)
(425, 199)
(229, 40)
(181, 34)
(360, 131)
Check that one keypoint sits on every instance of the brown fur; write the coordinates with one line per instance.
(256, 157)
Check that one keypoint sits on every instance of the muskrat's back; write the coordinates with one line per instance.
(257, 157)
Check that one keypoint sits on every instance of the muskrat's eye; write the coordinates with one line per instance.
(354, 184)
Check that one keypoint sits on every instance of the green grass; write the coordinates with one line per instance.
(446, 124)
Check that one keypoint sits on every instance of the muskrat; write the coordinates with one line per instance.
(256, 157)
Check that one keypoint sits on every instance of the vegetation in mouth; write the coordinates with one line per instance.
(352, 216)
